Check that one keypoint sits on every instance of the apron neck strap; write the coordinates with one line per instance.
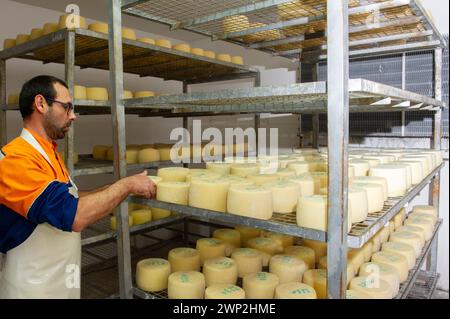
(27, 136)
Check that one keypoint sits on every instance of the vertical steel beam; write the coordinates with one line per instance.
(119, 143)
(70, 81)
(257, 116)
(3, 135)
(185, 119)
(298, 79)
(403, 88)
(338, 131)
(315, 130)
(436, 144)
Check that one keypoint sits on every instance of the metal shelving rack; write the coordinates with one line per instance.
(403, 26)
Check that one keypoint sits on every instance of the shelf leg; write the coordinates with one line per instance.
(257, 116)
(3, 135)
(70, 81)
(315, 130)
(119, 144)
(338, 128)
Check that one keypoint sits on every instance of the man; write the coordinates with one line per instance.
(41, 212)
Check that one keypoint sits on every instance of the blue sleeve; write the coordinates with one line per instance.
(55, 206)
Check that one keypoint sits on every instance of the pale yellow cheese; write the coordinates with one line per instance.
(367, 249)
(320, 180)
(373, 180)
(219, 168)
(396, 260)
(72, 21)
(141, 216)
(304, 253)
(224, 291)
(356, 258)
(113, 222)
(50, 28)
(147, 40)
(301, 167)
(209, 194)
(408, 238)
(148, 155)
(282, 239)
(431, 218)
(158, 213)
(163, 43)
(127, 94)
(100, 27)
(237, 60)
(426, 169)
(231, 238)
(250, 201)
(184, 259)
(376, 288)
(317, 278)
(385, 272)
(152, 274)
(361, 167)
(359, 204)
(323, 264)
(396, 177)
(375, 196)
(22, 38)
(307, 184)
(143, 94)
(131, 155)
(197, 51)
(247, 233)
(210, 54)
(97, 94)
(173, 192)
(173, 174)
(415, 230)
(385, 233)
(376, 243)
(425, 224)
(403, 249)
(284, 173)
(221, 270)
(186, 285)
(320, 248)
(288, 268)
(247, 260)
(285, 195)
(267, 246)
(184, 47)
(223, 57)
(295, 290)
(425, 209)
(244, 170)
(354, 294)
(13, 99)
(210, 248)
(80, 92)
(260, 285)
(8, 43)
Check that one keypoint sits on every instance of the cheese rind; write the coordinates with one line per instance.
(304, 253)
(285, 195)
(403, 249)
(385, 272)
(224, 291)
(186, 285)
(247, 260)
(288, 268)
(260, 285)
(317, 278)
(210, 248)
(152, 274)
(377, 288)
(396, 177)
(173, 174)
(250, 201)
(267, 246)
(221, 270)
(173, 192)
(231, 238)
(396, 260)
(294, 290)
(184, 259)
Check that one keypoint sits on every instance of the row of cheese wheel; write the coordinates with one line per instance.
(141, 214)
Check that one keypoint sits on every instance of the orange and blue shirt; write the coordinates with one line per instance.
(32, 191)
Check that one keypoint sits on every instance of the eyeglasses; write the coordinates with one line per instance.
(67, 106)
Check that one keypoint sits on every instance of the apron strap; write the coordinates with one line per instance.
(33, 142)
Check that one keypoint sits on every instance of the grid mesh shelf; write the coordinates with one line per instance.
(425, 286)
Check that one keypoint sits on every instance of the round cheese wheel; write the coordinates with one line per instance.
(376, 243)
(80, 92)
(361, 167)
(231, 238)
(399, 218)
(247, 260)
(158, 213)
(396, 177)
(415, 230)
(127, 94)
(148, 155)
(173, 174)
(282, 239)
(301, 167)
(359, 204)
(288, 268)
(260, 285)
(408, 238)
(356, 258)
(152, 274)
(197, 51)
(244, 170)
(317, 278)
(267, 246)
(203, 175)
(8, 43)
(247, 233)
(97, 94)
(128, 33)
(320, 180)
(284, 173)
(50, 28)
(210, 54)
(209, 194)
(143, 94)
(100, 27)
(323, 264)
(184, 47)
(13, 99)
(186, 285)
(114, 222)
(417, 172)
(395, 260)
(221, 270)
(373, 180)
(132, 156)
(425, 224)
(367, 251)
(432, 219)
(408, 172)
(375, 196)
(425, 209)
(376, 288)
(22, 38)
(403, 249)
(320, 248)
(173, 192)
(430, 160)
(72, 21)
(141, 216)
(384, 234)
(210, 248)
(250, 201)
(163, 43)
(224, 57)
(219, 168)
(295, 290)
(224, 291)
(426, 169)
(285, 195)
(385, 272)
(354, 294)
(261, 179)
(184, 259)
(307, 185)
(147, 40)
(304, 253)
(237, 60)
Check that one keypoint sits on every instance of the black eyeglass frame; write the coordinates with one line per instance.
(67, 106)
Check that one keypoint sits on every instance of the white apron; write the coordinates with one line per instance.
(47, 264)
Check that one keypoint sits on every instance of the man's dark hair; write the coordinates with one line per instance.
(44, 85)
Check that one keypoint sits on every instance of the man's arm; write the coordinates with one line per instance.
(95, 206)
(85, 193)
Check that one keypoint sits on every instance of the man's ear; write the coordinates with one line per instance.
(40, 104)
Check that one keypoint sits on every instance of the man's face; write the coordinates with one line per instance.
(57, 120)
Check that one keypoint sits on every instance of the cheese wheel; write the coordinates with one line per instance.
(147, 40)
(307, 185)
(323, 264)
(408, 172)
(384, 159)
(148, 155)
(158, 213)
(224, 291)
(427, 210)
(284, 173)
(426, 169)
(173, 174)
(294, 290)
(408, 238)
(282, 239)
(354, 294)
(163, 43)
(425, 224)
(376, 288)
(152, 274)
(186, 285)
(375, 196)
(221, 270)
(143, 94)
(261, 179)
(285, 196)
(385, 233)
(385, 272)
(403, 249)
(36, 33)
(237, 60)
(288, 268)
(396, 177)
(231, 238)
(22, 38)
(8, 43)
(173, 192)
(100, 152)
(320, 248)
(430, 160)
(396, 260)
(244, 170)
(417, 171)
(415, 230)
(361, 167)
(100, 27)
(128, 33)
(367, 249)
(210, 248)
(184, 47)
(247, 233)
(247, 260)
(219, 168)
(376, 243)
(317, 278)
(209, 194)
(50, 28)
(358, 203)
(260, 285)
(202, 175)
(373, 180)
(135, 206)
(127, 94)
(113, 222)
(250, 201)
(223, 57)
(72, 21)
(300, 167)
(184, 259)
(80, 92)
(141, 216)
(312, 212)
(13, 99)
(97, 94)
(197, 51)
(210, 54)
(356, 258)
(320, 180)
(155, 179)
(267, 246)
(304, 253)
